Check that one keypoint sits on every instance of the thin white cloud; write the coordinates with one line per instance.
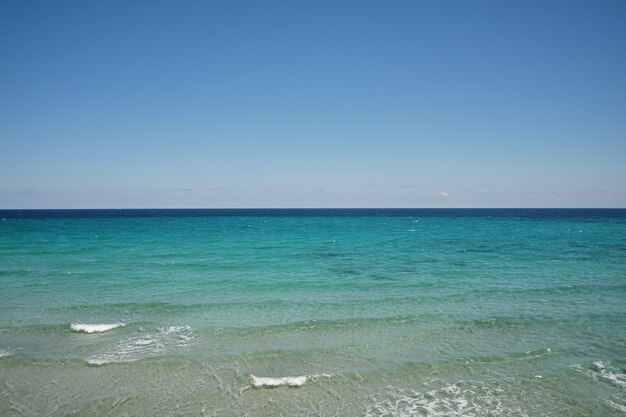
(443, 194)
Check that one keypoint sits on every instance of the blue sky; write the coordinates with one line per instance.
(312, 104)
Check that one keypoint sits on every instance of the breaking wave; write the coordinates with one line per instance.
(94, 328)
(290, 381)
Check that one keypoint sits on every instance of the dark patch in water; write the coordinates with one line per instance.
(496, 323)
(326, 255)
(614, 246)
(428, 260)
(344, 271)
(380, 277)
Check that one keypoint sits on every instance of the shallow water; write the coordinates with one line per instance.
(376, 313)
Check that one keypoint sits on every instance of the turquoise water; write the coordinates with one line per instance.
(363, 313)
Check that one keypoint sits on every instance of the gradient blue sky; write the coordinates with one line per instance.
(312, 104)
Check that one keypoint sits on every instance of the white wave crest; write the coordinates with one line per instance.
(98, 361)
(4, 353)
(94, 328)
(173, 329)
(290, 381)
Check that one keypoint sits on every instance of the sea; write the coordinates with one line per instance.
(316, 312)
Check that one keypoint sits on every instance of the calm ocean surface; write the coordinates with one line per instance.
(313, 313)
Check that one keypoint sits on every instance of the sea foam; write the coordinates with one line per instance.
(290, 381)
(616, 406)
(444, 400)
(603, 371)
(146, 344)
(611, 374)
(94, 328)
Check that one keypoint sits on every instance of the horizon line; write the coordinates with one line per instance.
(317, 208)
